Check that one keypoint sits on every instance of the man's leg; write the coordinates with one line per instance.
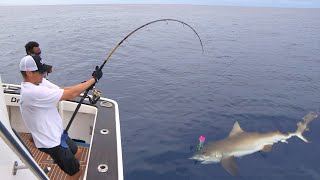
(77, 153)
(76, 176)
(74, 148)
(65, 160)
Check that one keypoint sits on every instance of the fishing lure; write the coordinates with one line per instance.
(202, 139)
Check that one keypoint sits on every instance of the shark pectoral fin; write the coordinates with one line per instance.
(229, 164)
(267, 148)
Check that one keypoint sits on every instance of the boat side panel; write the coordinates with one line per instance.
(82, 126)
(16, 119)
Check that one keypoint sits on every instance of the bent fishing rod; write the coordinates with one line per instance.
(116, 47)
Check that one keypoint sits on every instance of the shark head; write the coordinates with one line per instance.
(207, 157)
(212, 153)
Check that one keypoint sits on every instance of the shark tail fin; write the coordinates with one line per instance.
(301, 128)
(303, 125)
(302, 138)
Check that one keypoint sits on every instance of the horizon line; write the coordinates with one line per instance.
(195, 4)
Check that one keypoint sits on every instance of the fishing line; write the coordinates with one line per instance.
(116, 47)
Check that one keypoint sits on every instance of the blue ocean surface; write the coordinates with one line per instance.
(260, 67)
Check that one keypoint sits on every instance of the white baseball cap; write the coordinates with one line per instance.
(34, 63)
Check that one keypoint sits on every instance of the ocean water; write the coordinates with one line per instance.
(260, 67)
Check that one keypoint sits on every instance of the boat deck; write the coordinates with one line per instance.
(44, 160)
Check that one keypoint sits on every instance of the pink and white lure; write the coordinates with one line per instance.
(201, 142)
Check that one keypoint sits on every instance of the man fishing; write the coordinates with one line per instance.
(38, 109)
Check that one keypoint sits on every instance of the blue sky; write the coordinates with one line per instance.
(264, 3)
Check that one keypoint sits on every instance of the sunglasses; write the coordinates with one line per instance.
(44, 73)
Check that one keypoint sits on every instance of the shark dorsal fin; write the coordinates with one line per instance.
(236, 129)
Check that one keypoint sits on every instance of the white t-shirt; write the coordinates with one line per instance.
(40, 115)
(48, 84)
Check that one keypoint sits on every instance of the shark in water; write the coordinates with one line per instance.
(240, 143)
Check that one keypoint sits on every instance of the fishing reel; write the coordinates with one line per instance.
(96, 94)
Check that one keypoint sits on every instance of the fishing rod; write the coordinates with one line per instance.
(115, 48)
